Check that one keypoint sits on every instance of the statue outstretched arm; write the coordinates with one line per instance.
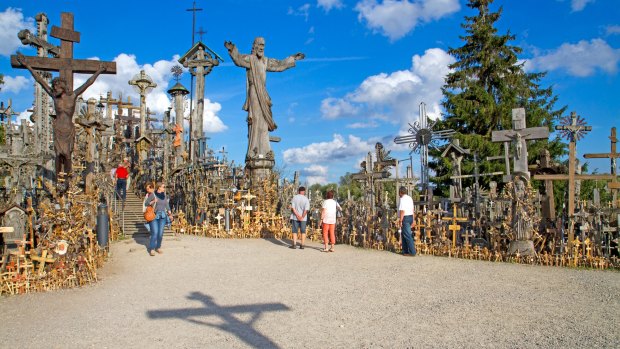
(275, 65)
(37, 77)
(90, 80)
(234, 54)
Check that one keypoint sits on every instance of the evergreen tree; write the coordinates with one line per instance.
(487, 81)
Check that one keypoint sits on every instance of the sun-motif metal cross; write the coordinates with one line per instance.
(422, 135)
(420, 138)
(573, 128)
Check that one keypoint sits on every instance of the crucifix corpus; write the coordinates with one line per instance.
(259, 158)
(518, 137)
(61, 90)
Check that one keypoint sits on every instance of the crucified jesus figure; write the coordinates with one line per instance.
(64, 105)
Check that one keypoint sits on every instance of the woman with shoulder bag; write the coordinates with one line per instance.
(162, 212)
(150, 188)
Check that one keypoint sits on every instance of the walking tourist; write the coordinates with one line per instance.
(405, 221)
(121, 174)
(150, 188)
(300, 205)
(162, 213)
(328, 219)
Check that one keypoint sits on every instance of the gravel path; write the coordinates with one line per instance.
(212, 293)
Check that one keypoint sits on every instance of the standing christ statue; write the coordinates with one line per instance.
(258, 103)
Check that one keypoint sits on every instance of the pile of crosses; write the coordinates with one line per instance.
(517, 225)
(238, 214)
(59, 248)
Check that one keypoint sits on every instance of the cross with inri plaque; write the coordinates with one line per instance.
(62, 89)
(65, 63)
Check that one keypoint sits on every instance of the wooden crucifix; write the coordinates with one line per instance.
(614, 185)
(574, 130)
(62, 88)
(518, 136)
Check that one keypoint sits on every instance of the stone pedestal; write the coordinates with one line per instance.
(259, 169)
(525, 248)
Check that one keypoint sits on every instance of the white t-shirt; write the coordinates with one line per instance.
(406, 204)
(330, 206)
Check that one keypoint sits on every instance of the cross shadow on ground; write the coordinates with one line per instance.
(227, 318)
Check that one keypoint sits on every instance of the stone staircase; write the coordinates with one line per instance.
(134, 218)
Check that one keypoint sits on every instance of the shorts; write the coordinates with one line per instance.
(298, 226)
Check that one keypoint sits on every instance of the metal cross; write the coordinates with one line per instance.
(420, 138)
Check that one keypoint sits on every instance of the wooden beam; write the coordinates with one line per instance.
(80, 66)
(563, 177)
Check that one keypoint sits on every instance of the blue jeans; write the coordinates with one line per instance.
(407, 239)
(298, 226)
(121, 188)
(157, 230)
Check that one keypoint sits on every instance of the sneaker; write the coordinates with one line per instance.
(301, 247)
(159, 251)
(152, 253)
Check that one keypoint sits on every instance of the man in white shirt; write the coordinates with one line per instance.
(405, 220)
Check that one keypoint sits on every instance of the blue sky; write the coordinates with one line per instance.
(369, 64)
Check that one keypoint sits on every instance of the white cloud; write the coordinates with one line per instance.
(371, 124)
(15, 84)
(581, 59)
(158, 99)
(396, 96)
(327, 5)
(11, 22)
(579, 5)
(315, 174)
(332, 108)
(396, 18)
(337, 149)
(303, 11)
(211, 122)
(612, 29)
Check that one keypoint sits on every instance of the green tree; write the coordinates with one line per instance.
(487, 81)
(348, 185)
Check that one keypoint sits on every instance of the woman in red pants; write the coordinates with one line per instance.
(328, 219)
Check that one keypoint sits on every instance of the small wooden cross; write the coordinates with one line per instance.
(219, 219)
(42, 260)
(454, 227)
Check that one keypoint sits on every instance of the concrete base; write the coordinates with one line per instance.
(259, 169)
(525, 248)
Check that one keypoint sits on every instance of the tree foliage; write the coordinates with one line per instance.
(486, 82)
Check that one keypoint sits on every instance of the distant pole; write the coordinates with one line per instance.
(193, 10)
(191, 84)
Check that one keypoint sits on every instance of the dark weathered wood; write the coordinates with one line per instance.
(79, 66)
(65, 34)
(563, 177)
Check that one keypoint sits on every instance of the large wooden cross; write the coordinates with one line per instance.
(614, 185)
(65, 64)
(518, 136)
(573, 129)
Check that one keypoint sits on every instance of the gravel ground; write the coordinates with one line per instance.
(212, 293)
